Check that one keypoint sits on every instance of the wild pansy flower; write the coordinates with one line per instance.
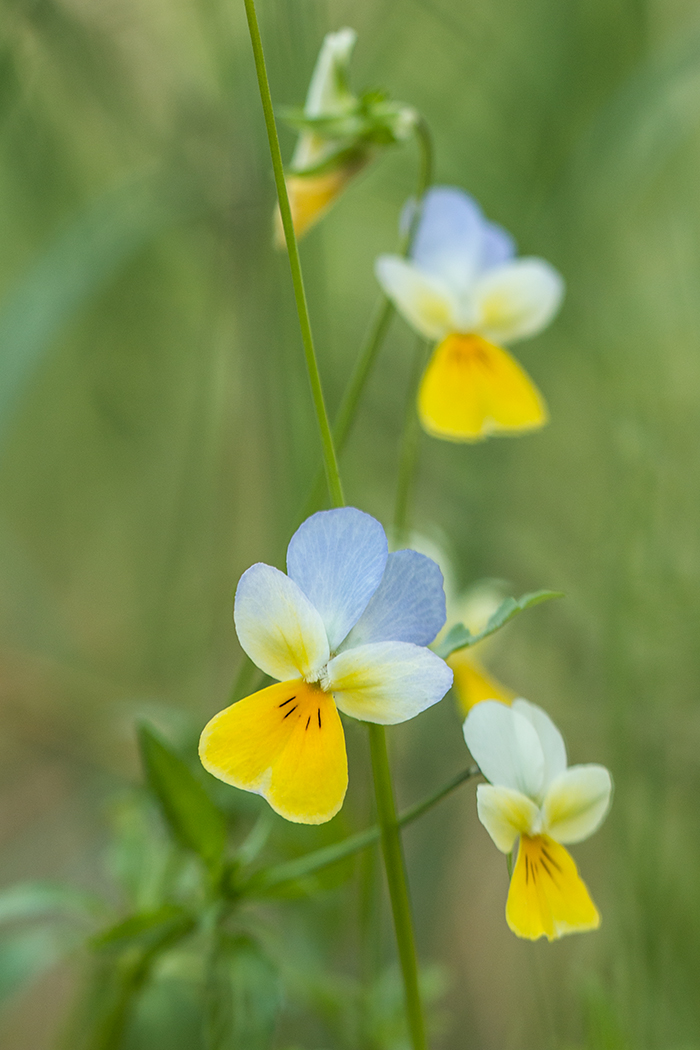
(338, 133)
(463, 287)
(533, 797)
(346, 629)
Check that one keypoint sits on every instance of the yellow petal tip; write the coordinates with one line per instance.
(285, 743)
(547, 897)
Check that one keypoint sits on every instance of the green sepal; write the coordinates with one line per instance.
(194, 820)
(460, 637)
(243, 996)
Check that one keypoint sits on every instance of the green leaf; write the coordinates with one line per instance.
(460, 637)
(193, 818)
(243, 997)
(36, 900)
(146, 930)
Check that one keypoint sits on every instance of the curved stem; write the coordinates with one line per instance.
(398, 883)
(293, 870)
(329, 456)
(383, 317)
(408, 457)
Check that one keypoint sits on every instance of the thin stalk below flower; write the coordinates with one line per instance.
(383, 316)
(409, 449)
(398, 884)
(330, 460)
(293, 870)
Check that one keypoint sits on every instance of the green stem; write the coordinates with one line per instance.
(410, 444)
(398, 883)
(330, 460)
(379, 327)
(293, 870)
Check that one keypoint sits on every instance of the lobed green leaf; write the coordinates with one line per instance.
(195, 821)
(460, 637)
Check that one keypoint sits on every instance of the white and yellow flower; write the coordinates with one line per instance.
(346, 629)
(464, 288)
(534, 798)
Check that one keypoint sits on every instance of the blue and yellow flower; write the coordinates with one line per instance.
(464, 288)
(345, 629)
(534, 798)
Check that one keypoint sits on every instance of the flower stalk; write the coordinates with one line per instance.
(398, 883)
(330, 460)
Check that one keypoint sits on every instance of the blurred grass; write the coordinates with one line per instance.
(158, 437)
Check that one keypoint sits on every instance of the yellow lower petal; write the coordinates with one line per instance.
(472, 683)
(285, 743)
(310, 196)
(547, 897)
(473, 388)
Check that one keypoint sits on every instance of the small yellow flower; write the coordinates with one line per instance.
(339, 133)
(345, 629)
(533, 797)
(463, 287)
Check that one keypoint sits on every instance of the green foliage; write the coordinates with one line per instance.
(459, 636)
(243, 996)
(194, 820)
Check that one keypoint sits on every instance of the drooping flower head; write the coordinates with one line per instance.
(339, 131)
(464, 288)
(346, 628)
(534, 798)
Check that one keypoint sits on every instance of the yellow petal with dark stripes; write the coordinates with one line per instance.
(472, 683)
(285, 743)
(547, 897)
(472, 388)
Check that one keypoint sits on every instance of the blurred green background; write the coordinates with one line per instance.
(157, 437)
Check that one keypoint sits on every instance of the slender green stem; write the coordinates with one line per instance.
(381, 322)
(385, 312)
(293, 870)
(329, 456)
(410, 444)
(398, 884)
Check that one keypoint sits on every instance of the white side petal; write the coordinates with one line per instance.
(328, 93)
(506, 747)
(517, 299)
(338, 558)
(387, 682)
(553, 747)
(277, 625)
(506, 814)
(577, 802)
(425, 301)
(408, 605)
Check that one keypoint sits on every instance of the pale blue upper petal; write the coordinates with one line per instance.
(408, 605)
(497, 246)
(338, 557)
(449, 239)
